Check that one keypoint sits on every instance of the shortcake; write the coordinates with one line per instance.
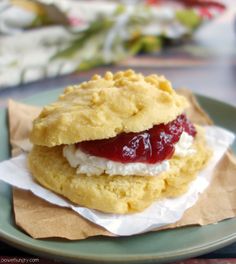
(117, 143)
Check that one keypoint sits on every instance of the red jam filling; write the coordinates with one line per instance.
(149, 146)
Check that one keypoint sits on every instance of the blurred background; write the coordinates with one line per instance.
(48, 44)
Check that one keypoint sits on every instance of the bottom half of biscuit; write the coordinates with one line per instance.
(116, 194)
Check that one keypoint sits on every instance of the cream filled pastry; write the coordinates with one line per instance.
(117, 143)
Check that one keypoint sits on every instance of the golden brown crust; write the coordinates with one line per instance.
(106, 106)
(115, 194)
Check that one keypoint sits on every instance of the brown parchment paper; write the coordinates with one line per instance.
(41, 219)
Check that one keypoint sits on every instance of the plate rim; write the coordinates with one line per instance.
(177, 254)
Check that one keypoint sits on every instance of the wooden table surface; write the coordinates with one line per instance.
(206, 65)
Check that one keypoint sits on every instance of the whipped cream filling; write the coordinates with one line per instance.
(92, 165)
(184, 147)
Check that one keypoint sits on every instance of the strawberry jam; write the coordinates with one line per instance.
(149, 146)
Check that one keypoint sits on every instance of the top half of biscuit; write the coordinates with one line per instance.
(106, 106)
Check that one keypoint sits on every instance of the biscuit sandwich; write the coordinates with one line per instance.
(117, 143)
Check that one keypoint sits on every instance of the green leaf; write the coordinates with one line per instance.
(89, 64)
(80, 40)
(147, 44)
(189, 18)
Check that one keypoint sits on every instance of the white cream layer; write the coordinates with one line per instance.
(92, 165)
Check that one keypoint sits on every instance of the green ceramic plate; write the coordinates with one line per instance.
(160, 247)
